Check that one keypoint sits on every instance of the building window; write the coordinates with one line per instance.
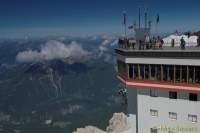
(172, 95)
(153, 93)
(172, 132)
(192, 118)
(173, 116)
(154, 130)
(154, 113)
(193, 97)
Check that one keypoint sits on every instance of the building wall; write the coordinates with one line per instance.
(140, 102)
(132, 104)
(182, 106)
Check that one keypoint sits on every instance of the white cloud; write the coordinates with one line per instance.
(54, 50)
(114, 43)
(105, 48)
(102, 50)
(106, 42)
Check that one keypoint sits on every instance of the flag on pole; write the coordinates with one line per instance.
(158, 19)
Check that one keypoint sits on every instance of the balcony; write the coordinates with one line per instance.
(164, 77)
(131, 45)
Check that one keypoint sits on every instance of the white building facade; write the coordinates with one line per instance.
(163, 89)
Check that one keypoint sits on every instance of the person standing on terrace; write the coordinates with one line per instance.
(161, 43)
(182, 43)
(154, 43)
(173, 42)
(198, 41)
(147, 41)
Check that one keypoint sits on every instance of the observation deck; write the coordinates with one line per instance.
(153, 65)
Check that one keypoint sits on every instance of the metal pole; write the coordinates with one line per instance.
(156, 73)
(144, 73)
(168, 73)
(187, 74)
(139, 74)
(125, 21)
(161, 72)
(194, 75)
(128, 71)
(174, 74)
(181, 73)
(125, 29)
(139, 18)
(145, 19)
(133, 71)
(149, 72)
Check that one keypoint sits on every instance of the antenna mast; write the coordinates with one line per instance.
(125, 21)
(139, 18)
(145, 17)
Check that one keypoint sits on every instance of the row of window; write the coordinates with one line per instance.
(154, 130)
(174, 95)
(173, 115)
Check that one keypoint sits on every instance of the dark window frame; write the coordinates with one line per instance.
(193, 97)
(173, 95)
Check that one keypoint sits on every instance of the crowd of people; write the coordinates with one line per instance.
(183, 42)
(151, 43)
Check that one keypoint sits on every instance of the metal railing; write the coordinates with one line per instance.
(152, 45)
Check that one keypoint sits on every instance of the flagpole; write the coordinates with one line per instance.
(157, 22)
(125, 29)
(139, 17)
(125, 17)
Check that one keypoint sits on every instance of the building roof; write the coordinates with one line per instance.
(166, 52)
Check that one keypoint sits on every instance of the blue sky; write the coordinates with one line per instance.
(60, 17)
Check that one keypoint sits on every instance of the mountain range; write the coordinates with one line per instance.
(66, 80)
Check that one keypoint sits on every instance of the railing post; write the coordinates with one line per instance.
(149, 71)
(144, 73)
(156, 72)
(168, 73)
(161, 72)
(187, 74)
(194, 75)
(139, 74)
(181, 74)
(133, 71)
(127, 70)
(174, 74)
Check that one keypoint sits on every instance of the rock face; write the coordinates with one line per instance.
(119, 123)
(89, 129)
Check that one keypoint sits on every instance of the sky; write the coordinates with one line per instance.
(20, 18)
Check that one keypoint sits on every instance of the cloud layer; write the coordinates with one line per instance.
(106, 49)
(55, 50)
